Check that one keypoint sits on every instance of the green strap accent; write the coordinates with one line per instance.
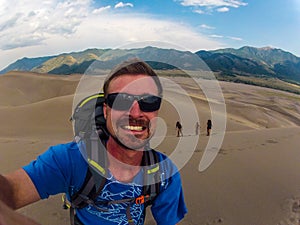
(91, 97)
(97, 166)
(153, 170)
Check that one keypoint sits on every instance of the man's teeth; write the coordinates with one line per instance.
(135, 128)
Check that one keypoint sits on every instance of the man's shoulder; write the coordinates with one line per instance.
(166, 163)
(65, 151)
(161, 156)
(64, 147)
(67, 145)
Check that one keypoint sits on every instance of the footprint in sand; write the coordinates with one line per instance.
(296, 206)
(292, 208)
(215, 221)
(271, 141)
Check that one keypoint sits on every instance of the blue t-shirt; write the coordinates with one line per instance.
(62, 169)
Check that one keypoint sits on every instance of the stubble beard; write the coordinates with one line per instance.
(133, 141)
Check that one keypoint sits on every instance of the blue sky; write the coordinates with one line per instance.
(33, 28)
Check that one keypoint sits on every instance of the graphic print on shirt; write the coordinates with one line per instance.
(116, 213)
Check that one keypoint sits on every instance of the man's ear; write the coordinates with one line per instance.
(104, 110)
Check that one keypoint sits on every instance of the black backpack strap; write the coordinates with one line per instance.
(88, 187)
(152, 176)
(96, 174)
(97, 159)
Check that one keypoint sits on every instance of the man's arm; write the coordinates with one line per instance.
(17, 189)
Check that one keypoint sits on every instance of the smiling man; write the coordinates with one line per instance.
(129, 126)
(133, 95)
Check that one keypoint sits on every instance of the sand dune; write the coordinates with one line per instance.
(17, 89)
(254, 179)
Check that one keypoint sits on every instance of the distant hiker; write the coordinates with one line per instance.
(209, 125)
(179, 129)
(129, 107)
(197, 128)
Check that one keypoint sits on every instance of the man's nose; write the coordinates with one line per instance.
(135, 110)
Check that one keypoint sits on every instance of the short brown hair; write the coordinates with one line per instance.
(132, 67)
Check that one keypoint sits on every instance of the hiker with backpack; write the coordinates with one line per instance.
(179, 129)
(109, 173)
(208, 127)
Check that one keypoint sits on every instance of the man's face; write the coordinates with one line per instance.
(132, 127)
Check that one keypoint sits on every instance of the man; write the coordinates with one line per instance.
(208, 128)
(179, 129)
(197, 128)
(133, 95)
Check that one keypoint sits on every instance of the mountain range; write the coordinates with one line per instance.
(245, 61)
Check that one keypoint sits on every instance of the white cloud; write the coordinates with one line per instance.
(122, 5)
(223, 9)
(235, 38)
(199, 11)
(27, 23)
(113, 33)
(207, 27)
(32, 28)
(101, 10)
(213, 3)
(216, 36)
(208, 5)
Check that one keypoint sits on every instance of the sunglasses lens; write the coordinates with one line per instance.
(150, 103)
(119, 102)
(123, 102)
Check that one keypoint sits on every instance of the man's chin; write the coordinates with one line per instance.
(136, 146)
(134, 143)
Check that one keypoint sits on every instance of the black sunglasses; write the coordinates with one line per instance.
(124, 101)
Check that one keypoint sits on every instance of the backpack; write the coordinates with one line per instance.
(90, 128)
